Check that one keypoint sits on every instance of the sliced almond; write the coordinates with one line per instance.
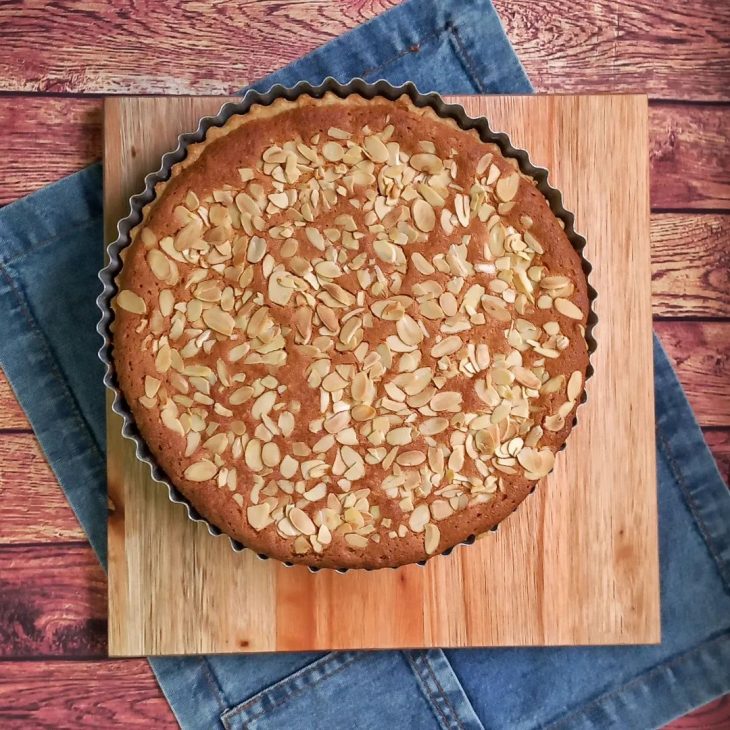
(131, 302)
(408, 330)
(218, 320)
(201, 471)
(425, 162)
(423, 215)
(568, 309)
(432, 538)
(419, 518)
(301, 520)
(575, 383)
(507, 186)
(375, 149)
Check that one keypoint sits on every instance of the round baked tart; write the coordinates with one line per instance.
(350, 332)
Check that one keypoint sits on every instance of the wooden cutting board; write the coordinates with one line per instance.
(576, 564)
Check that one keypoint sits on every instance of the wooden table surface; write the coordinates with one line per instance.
(58, 58)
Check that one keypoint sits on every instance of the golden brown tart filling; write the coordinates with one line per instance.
(351, 333)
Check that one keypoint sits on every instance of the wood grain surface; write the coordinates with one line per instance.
(673, 50)
(165, 571)
(52, 602)
(690, 257)
(700, 352)
(83, 695)
(34, 509)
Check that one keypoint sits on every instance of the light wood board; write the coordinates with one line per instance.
(576, 564)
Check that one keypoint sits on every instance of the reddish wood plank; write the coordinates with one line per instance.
(44, 139)
(719, 443)
(671, 50)
(690, 156)
(700, 352)
(11, 414)
(690, 265)
(713, 716)
(690, 148)
(52, 602)
(82, 694)
(34, 508)
(165, 47)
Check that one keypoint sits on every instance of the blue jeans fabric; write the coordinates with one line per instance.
(50, 252)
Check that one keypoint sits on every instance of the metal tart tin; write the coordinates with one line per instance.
(362, 88)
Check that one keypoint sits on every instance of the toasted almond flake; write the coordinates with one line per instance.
(301, 521)
(288, 467)
(163, 360)
(423, 266)
(159, 264)
(432, 426)
(425, 162)
(270, 454)
(446, 401)
(258, 516)
(263, 404)
(432, 538)
(410, 458)
(201, 471)
(423, 215)
(362, 413)
(484, 163)
(333, 152)
(447, 346)
(567, 308)
(217, 443)
(356, 541)
(252, 455)
(328, 269)
(218, 320)
(151, 386)
(387, 252)
(256, 250)
(375, 149)
(526, 377)
(419, 518)
(408, 330)
(575, 384)
(507, 186)
(131, 302)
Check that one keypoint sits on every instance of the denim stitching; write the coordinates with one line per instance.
(436, 708)
(681, 482)
(51, 361)
(46, 242)
(444, 695)
(213, 683)
(302, 673)
(416, 48)
(583, 709)
(464, 57)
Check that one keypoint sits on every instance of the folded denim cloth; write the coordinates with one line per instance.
(50, 252)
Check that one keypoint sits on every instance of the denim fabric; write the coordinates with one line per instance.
(50, 252)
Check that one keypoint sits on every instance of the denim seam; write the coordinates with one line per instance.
(234, 711)
(416, 48)
(432, 696)
(214, 684)
(656, 669)
(464, 57)
(442, 692)
(51, 361)
(45, 242)
(681, 482)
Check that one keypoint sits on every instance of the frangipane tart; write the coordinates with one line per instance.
(351, 333)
